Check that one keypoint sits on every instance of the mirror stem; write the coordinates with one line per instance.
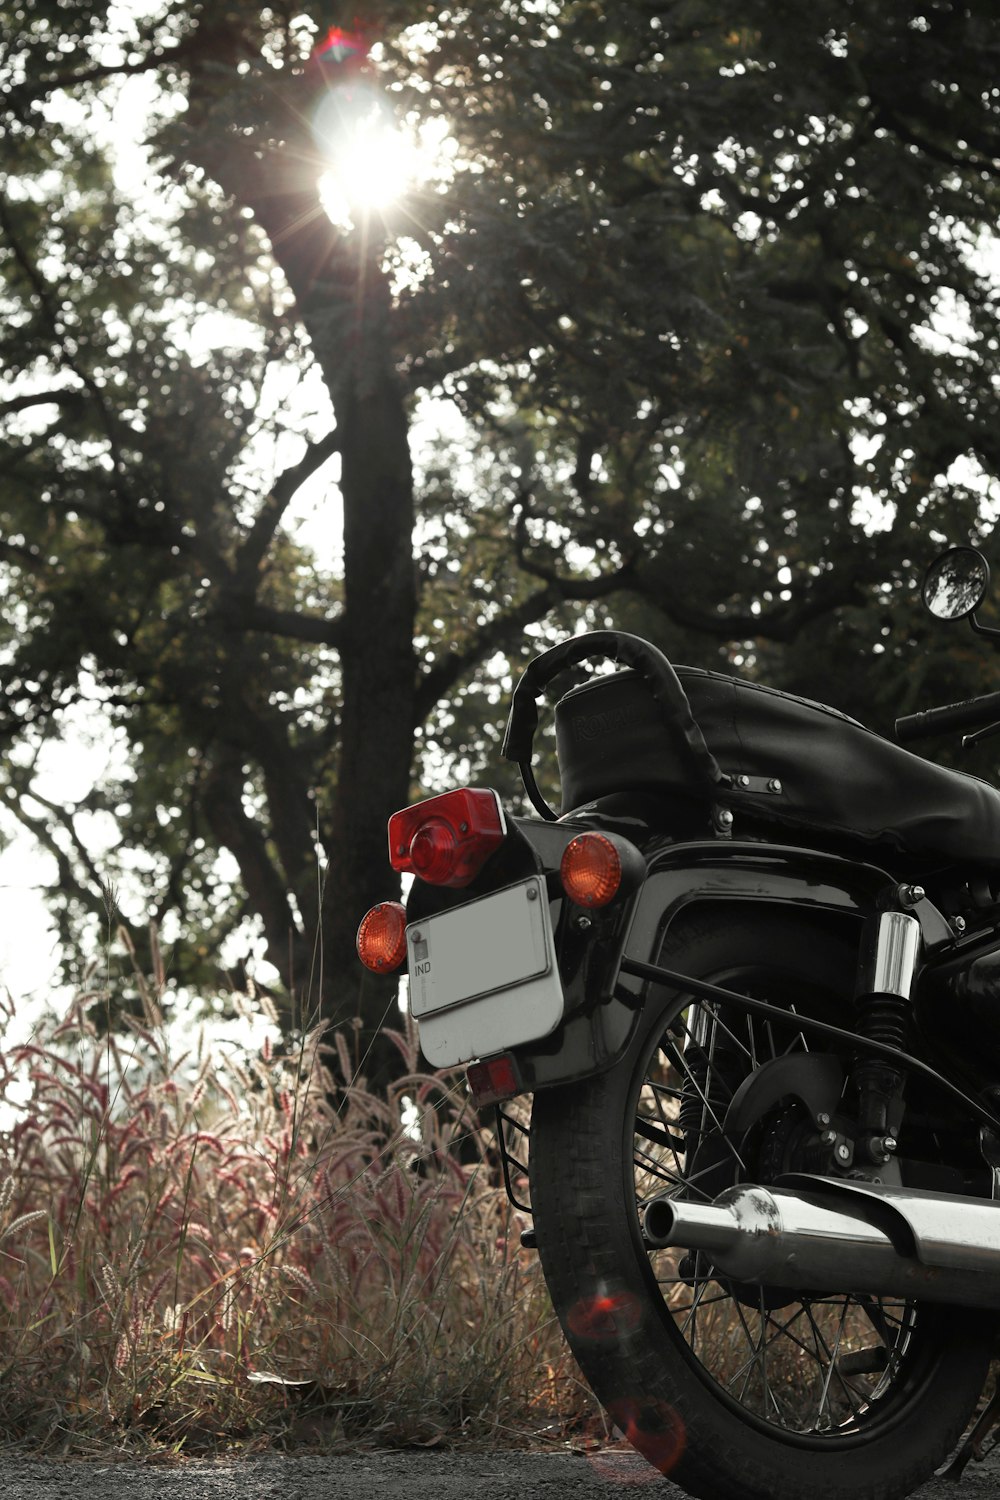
(986, 630)
(968, 740)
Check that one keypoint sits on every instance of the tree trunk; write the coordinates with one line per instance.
(378, 668)
(343, 298)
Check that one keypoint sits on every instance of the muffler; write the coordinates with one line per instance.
(823, 1234)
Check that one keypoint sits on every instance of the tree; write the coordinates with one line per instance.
(704, 294)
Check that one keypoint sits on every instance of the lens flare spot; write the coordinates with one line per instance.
(340, 47)
(606, 1317)
(651, 1426)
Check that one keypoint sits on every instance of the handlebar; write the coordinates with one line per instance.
(973, 713)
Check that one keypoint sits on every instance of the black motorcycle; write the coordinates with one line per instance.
(751, 976)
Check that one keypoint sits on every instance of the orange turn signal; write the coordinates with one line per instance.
(382, 937)
(591, 870)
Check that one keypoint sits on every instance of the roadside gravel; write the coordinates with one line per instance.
(384, 1476)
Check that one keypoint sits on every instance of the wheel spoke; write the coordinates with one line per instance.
(708, 1110)
(831, 1355)
(676, 1179)
(748, 1048)
(754, 1362)
(832, 1363)
(659, 1136)
(691, 1319)
(809, 1365)
(678, 1307)
(651, 1168)
(758, 1360)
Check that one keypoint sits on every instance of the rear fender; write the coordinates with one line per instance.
(601, 1021)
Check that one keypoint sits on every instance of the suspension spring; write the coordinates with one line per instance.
(886, 1019)
(882, 1018)
(697, 1087)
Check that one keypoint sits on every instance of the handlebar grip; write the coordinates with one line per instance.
(973, 713)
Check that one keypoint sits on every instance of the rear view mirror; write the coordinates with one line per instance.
(956, 583)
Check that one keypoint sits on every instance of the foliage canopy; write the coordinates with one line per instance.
(712, 305)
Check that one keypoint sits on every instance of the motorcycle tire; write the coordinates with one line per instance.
(735, 1392)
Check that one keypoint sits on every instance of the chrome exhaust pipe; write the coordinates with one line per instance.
(827, 1235)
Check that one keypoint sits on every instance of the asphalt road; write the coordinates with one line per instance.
(386, 1476)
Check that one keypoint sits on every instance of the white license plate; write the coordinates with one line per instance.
(483, 976)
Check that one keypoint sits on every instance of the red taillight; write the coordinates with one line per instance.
(447, 840)
(493, 1081)
(382, 937)
(432, 851)
(591, 870)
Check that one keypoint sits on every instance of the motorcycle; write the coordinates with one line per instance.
(750, 974)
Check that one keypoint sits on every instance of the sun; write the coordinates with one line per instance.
(373, 162)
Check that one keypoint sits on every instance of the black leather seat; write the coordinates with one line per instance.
(834, 774)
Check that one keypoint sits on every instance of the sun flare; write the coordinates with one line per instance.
(373, 161)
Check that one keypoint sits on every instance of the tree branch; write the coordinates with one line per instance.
(982, 156)
(241, 612)
(268, 518)
(71, 78)
(449, 669)
(41, 830)
(236, 831)
(24, 556)
(49, 307)
(506, 627)
(569, 588)
(780, 624)
(43, 398)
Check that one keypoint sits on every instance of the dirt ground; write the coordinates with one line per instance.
(385, 1476)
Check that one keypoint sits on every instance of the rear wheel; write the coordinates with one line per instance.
(735, 1390)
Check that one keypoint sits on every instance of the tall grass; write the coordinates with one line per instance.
(208, 1249)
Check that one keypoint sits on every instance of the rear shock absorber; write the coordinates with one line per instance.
(883, 1015)
(885, 1019)
(704, 1096)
